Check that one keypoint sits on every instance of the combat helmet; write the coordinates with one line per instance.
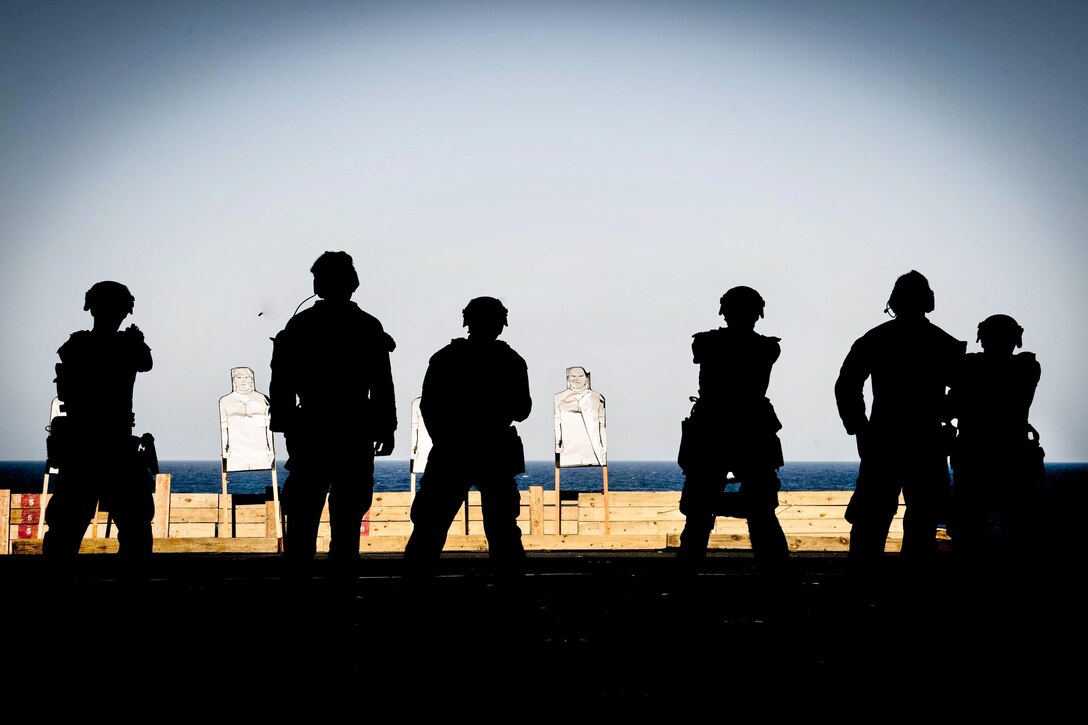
(108, 295)
(742, 299)
(484, 310)
(1001, 329)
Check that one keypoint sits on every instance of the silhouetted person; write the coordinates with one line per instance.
(733, 428)
(331, 395)
(100, 462)
(995, 472)
(474, 390)
(903, 442)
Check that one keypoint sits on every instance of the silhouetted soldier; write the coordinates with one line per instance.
(331, 395)
(997, 466)
(475, 389)
(733, 428)
(98, 458)
(903, 442)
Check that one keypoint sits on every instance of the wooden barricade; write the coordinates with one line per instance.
(811, 520)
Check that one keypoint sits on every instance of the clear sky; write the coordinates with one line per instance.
(607, 169)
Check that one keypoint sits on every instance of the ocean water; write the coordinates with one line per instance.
(392, 475)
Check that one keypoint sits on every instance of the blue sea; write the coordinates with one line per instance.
(392, 475)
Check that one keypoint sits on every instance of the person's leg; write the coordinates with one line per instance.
(967, 526)
(1017, 513)
(925, 495)
(69, 512)
(871, 510)
(133, 513)
(130, 499)
(304, 494)
(698, 502)
(350, 497)
(501, 504)
(759, 490)
(435, 505)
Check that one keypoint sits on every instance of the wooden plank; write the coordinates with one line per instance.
(403, 528)
(212, 544)
(165, 546)
(160, 524)
(26, 546)
(255, 513)
(814, 498)
(194, 500)
(222, 512)
(536, 510)
(795, 543)
(627, 528)
(549, 528)
(801, 526)
(547, 542)
(5, 521)
(390, 513)
(626, 498)
(253, 530)
(583, 542)
(631, 513)
(271, 525)
(476, 513)
(188, 531)
(818, 543)
(392, 498)
(835, 526)
(381, 544)
(811, 512)
(200, 515)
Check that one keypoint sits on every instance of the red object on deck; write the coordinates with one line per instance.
(364, 527)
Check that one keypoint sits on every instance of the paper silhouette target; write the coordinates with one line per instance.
(580, 438)
(247, 443)
(421, 440)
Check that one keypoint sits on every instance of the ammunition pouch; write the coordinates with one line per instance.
(692, 439)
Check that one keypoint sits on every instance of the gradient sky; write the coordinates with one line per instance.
(608, 169)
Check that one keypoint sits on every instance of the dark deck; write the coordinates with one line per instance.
(615, 629)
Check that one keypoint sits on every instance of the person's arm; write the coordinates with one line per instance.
(383, 398)
(521, 402)
(282, 400)
(1033, 375)
(954, 388)
(436, 404)
(850, 388)
(775, 350)
(141, 353)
